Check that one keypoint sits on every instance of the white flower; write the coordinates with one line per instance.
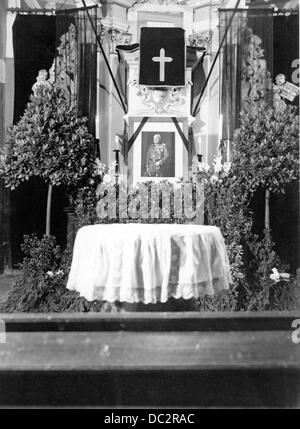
(106, 179)
(275, 276)
(214, 178)
(49, 273)
(99, 167)
(217, 163)
(285, 276)
(177, 185)
(203, 166)
(226, 167)
(112, 167)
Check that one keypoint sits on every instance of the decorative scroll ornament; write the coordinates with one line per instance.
(113, 37)
(201, 39)
(63, 70)
(256, 79)
(160, 100)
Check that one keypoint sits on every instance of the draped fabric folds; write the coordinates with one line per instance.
(75, 65)
(64, 45)
(246, 64)
(2, 126)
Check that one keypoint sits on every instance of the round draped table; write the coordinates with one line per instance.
(148, 263)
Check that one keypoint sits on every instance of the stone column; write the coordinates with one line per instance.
(113, 31)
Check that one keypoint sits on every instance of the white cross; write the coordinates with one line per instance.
(162, 60)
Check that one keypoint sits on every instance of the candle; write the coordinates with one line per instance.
(117, 142)
(220, 127)
(199, 145)
(117, 169)
(97, 123)
(228, 151)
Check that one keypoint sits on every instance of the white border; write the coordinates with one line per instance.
(157, 126)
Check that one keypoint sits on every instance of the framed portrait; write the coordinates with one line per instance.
(158, 153)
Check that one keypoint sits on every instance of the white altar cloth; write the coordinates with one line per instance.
(148, 263)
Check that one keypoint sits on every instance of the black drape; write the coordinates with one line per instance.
(285, 208)
(286, 48)
(2, 131)
(34, 40)
(246, 63)
(41, 41)
(34, 49)
(77, 54)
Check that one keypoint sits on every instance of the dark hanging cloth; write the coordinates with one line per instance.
(162, 57)
(34, 49)
(246, 64)
(76, 56)
(285, 207)
(3, 240)
(286, 48)
(40, 42)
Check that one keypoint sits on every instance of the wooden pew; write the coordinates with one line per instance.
(150, 359)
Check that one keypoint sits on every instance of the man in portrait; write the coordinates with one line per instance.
(157, 157)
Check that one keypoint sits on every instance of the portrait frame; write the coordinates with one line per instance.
(176, 148)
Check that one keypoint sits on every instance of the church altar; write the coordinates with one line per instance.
(148, 263)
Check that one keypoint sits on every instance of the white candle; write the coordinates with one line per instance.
(97, 123)
(228, 151)
(199, 146)
(220, 127)
(117, 142)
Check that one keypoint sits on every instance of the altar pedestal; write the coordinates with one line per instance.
(148, 263)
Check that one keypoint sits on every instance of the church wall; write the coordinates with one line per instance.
(110, 112)
(117, 16)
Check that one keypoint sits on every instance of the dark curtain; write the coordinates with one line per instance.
(285, 207)
(246, 64)
(34, 49)
(41, 42)
(286, 48)
(77, 58)
(2, 128)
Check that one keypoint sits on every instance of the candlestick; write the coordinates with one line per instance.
(199, 157)
(98, 148)
(116, 151)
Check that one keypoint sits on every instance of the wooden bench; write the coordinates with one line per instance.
(158, 359)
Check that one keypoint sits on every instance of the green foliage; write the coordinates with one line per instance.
(266, 150)
(49, 141)
(265, 155)
(41, 286)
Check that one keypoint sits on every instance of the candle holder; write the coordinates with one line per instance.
(199, 157)
(117, 158)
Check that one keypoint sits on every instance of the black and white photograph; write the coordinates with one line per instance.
(158, 154)
(149, 207)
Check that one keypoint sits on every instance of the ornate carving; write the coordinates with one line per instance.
(256, 79)
(113, 36)
(62, 71)
(278, 101)
(160, 100)
(201, 39)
